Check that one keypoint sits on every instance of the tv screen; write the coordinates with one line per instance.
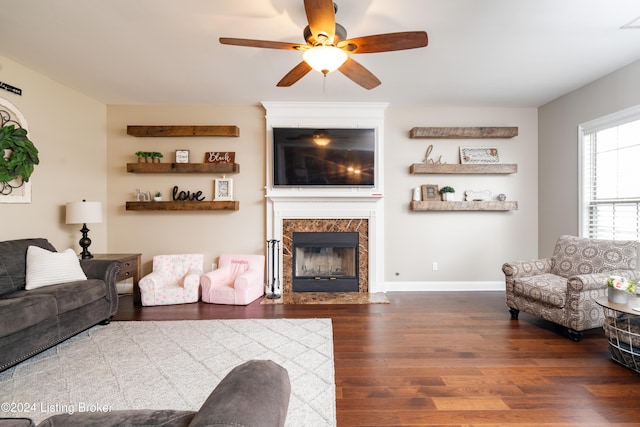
(323, 157)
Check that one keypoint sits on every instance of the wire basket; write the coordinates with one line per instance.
(623, 333)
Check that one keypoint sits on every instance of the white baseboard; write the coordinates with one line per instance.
(443, 286)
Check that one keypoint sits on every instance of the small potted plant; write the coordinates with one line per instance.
(447, 193)
(619, 288)
(157, 197)
(143, 156)
(155, 157)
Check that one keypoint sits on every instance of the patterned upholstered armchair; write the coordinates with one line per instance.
(175, 279)
(562, 289)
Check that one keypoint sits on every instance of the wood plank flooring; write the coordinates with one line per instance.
(452, 359)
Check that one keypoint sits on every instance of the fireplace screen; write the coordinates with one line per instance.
(325, 262)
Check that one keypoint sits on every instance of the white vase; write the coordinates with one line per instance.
(157, 198)
(617, 296)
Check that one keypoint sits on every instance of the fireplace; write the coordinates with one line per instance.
(360, 210)
(325, 262)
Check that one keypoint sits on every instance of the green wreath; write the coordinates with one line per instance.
(23, 156)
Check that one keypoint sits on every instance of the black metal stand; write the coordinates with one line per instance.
(273, 267)
(85, 242)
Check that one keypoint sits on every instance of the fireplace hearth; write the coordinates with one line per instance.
(325, 262)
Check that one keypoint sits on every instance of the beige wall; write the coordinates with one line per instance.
(207, 232)
(558, 131)
(68, 129)
(469, 247)
(456, 240)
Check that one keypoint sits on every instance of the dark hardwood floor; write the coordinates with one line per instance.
(452, 359)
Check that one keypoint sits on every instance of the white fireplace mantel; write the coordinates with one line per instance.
(330, 203)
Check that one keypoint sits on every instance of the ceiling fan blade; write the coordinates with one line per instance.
(385, 42)
(298, 72)
(261, 43)
(359, 74)
(322, 19)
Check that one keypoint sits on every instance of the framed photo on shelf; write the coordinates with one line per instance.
(182, 156)
(430, 193)
(223, 189)
(479, 155)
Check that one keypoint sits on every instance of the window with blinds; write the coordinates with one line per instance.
(610, 177)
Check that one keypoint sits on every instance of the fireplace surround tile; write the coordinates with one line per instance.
(359, 225)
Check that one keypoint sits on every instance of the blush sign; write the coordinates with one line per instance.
(219, 157)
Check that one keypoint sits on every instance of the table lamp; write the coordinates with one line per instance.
(82, 213)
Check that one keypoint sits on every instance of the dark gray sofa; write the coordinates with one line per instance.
(254, 394)
(35, 320)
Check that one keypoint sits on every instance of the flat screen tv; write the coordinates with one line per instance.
(323, 157)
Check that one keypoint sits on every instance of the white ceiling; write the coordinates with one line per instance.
(508, 53)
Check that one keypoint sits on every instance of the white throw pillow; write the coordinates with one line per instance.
(46, 268)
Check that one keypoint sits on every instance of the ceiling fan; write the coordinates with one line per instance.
(328, 48)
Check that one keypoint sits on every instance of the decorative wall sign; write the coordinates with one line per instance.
(430, 193)
(182, 156)
(469, 155)
(220, 157)
(429, 160)
(186, 196)
(16, 190)
(223, 189)
(10, 88)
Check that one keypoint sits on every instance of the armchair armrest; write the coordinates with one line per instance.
(215, 277)
(249, 277)
(515, 269)
(192, 279)
(589, 282)
(153, 281)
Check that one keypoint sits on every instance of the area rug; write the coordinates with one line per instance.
(173, 365)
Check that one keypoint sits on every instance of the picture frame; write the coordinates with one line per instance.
(223, 189)
(430, 193)
(182, 156)
(479, 155)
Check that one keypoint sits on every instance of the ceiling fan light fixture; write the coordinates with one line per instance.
(325, 59)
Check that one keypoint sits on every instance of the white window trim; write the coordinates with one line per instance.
(605, 122)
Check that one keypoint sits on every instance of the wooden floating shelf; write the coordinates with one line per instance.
(183, 167)
(438, 168)
(462, 132)
(183, 206)
(491, 205)
(144, 131)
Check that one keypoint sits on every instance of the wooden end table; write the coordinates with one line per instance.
(622, 328)
(130, 268)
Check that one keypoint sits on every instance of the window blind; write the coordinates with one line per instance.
(611, 180)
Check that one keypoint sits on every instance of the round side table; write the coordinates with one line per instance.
(622, 328)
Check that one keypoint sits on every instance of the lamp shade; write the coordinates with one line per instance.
(84, 212)
(325, 58)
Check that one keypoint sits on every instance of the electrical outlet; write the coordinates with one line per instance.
(434, 267)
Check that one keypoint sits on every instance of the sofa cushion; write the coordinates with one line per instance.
(548, 289)
(45, 268)
(13, 256)
(24, 309)
(72, 295)
(577, 255)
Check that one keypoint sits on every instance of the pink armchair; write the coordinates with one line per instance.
(175, 279)
(239, 280)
